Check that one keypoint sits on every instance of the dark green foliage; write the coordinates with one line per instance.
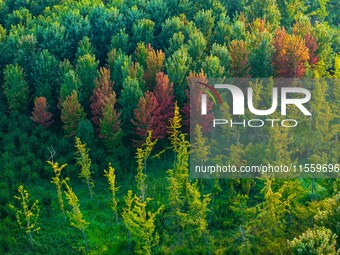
(16, 88)
(45, 77)
(260, 60)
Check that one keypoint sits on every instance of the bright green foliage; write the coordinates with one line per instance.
(140, 223)
(175, 43)
(267, 10)
(110, 126)
(269, 220)
(26, 213)
(75, 216)
(178, 67)
(71, 114)
(277, 150)
(204, 21)
(86, 69)
(111, 178)
(197, 45)
(212, 67)
(71, 82)
(84, 47)
(175, 128)
(84, 161)
(16, 88)
(142, 155)
(200, 149)
(222, 53)
(142, 31)
(319, 240)
(58, 181)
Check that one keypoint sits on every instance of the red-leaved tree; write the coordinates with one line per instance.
(40, 114)
(103, 94)
(290, 55)
(164, 94)
(312, 46)
(147, 118)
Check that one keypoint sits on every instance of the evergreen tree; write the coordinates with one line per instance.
(86, 69)
(178, 66)
(45, 77)
(154, 65)
(16, 89)
(319, 240)
(128, 101)
(71, 114)
(239, 59)
(109, 125)
(71, 82)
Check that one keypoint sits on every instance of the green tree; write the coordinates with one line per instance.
(75, 215)
(86, 69)
(45, 77)
(141, 223)
(318, 240)
(84, 161)
(70, 83)
(178, 67)
(142, 31)
(16, 88)
(205, 21)
(71, 114)
(130, 95)
(58, 181)
(111, 178)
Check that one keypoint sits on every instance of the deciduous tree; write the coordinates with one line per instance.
(40, 114)
(71, 114)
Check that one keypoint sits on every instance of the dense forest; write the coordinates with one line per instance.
(95, 119)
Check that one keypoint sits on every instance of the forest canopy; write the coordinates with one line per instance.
(94, 127)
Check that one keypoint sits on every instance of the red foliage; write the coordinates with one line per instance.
(164, 94)
(147, 118)
(312, 46)
(40, 115)
(290, 55)
(102, 95)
